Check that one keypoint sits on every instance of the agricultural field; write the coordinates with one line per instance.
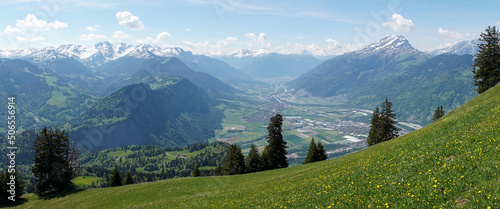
(328, 120)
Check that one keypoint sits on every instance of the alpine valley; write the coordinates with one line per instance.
(161, 111)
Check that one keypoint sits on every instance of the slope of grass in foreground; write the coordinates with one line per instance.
(450, 163)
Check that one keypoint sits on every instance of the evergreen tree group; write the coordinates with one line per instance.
(486, 67)
(235, 162)
(254, 161)
(273, 156)
(438, 113)
(54, 162)
(315, 153)
(383, 125)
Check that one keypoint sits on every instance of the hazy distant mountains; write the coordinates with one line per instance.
(414, 81)
(461, 48)
(271, 65)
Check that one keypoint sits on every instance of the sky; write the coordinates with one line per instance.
(221, 27)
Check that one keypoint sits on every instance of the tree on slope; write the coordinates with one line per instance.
(54, 161)
(196, 171)
(486, 67)
(235, 162)
(274, 155)
(438, 113)
(321, 152)
(388, 129)
(254, 162)
(128, 178)
(116, 179)
(374, 134)
(311, 153)
(315, 153)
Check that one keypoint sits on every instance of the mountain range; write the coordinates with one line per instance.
(414, 81)
(271, 65)
(173, 113)
(97, 55)
(460, 48)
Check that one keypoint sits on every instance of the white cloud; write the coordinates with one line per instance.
(92, 36)
(93, 28)
(160, 38)
(219, 47)
(34, 39)
(498, 23)
(32, 23)
(225, 42)
(329, 48)
(399, 24)
(253, 37)
(450, 34)
(126, 19)
(120, 35)
(188, 30)
(9, 30)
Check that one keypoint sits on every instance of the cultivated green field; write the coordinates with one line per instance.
(451, 163)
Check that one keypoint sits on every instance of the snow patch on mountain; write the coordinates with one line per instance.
(460, 48)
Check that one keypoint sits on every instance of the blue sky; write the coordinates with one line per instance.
(214, 27)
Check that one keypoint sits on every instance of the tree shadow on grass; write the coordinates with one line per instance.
(14, 204)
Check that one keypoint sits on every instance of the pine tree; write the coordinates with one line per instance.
(116, 179)
(196, 171)
(254, 163)
(218, 170)
(312, 156)
(128, 178)
(321, 152)
(274, 155)
(388, 129)
(438, 113)
(235, 162)
(54, 161)
(486, 67)
(374, 134)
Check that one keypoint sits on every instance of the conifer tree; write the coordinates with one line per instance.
(321, 152)
(374, 134)
(235, 162)
(312, 156)
(128, 178)
(388, 129)
(438, 113)
(196, 171)
(486, 67)
(54, 161)
(254, 163)
(116, 179)
(218, 169)
(274, 155)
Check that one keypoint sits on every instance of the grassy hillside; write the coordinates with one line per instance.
(450, 163)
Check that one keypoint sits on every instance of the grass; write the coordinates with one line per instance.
(451, 163)
(85, 181)
(57, 99)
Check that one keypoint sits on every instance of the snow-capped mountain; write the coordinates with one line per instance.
(460, 48)
(389, 45)
(97, 54)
